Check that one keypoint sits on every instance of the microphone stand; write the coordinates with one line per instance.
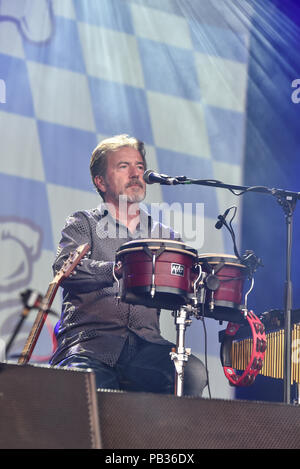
(288, 200)
(31, 300)
(288, 204)
(17, 328)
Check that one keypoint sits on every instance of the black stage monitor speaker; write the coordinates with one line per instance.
(47, 408)
(150, 421)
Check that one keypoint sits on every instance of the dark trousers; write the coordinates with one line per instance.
(143, 367)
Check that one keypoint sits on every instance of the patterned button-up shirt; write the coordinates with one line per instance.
(93, 322)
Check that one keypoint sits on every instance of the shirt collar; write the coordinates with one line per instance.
(143, 228)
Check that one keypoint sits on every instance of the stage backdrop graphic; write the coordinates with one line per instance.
(172, 73)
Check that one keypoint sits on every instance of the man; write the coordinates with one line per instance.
(120, 342)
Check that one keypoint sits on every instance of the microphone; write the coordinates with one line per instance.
(222, 219)
(150, 177)
(32, 299)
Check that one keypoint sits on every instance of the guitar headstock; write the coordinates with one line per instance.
(71, 263)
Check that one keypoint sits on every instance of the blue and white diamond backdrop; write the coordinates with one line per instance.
(172, 73)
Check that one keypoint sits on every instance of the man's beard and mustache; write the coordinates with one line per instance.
(117, 196)
(134, 197)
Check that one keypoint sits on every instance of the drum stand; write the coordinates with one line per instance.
(180, 354)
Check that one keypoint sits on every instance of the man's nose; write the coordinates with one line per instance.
(134, 172)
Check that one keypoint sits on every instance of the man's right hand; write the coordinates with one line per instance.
(118, 269)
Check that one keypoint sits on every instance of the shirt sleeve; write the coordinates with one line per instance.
(91, 274)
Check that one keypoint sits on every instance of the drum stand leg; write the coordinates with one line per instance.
(180, 354)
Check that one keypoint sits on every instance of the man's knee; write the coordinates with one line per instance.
(195, 377)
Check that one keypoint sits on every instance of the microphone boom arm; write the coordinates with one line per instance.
(243, 189)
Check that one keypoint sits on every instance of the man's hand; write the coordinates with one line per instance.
(118, 269)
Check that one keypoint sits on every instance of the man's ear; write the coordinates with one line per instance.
(100, 183)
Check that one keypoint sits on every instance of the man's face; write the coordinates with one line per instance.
(124, 176)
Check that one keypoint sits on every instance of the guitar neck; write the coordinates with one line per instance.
(38, 324)
(68, 267)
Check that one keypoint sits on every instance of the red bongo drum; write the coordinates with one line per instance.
(157, 273)
(227, 299)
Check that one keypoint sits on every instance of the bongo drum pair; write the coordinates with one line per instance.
(165, 274)
(168, 274)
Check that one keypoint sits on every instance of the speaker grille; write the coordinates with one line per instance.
(149, 421)
(46, 408)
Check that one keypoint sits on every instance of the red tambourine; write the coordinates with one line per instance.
(259, 346)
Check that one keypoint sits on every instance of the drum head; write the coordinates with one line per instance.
(218, 258)
(154, 244)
